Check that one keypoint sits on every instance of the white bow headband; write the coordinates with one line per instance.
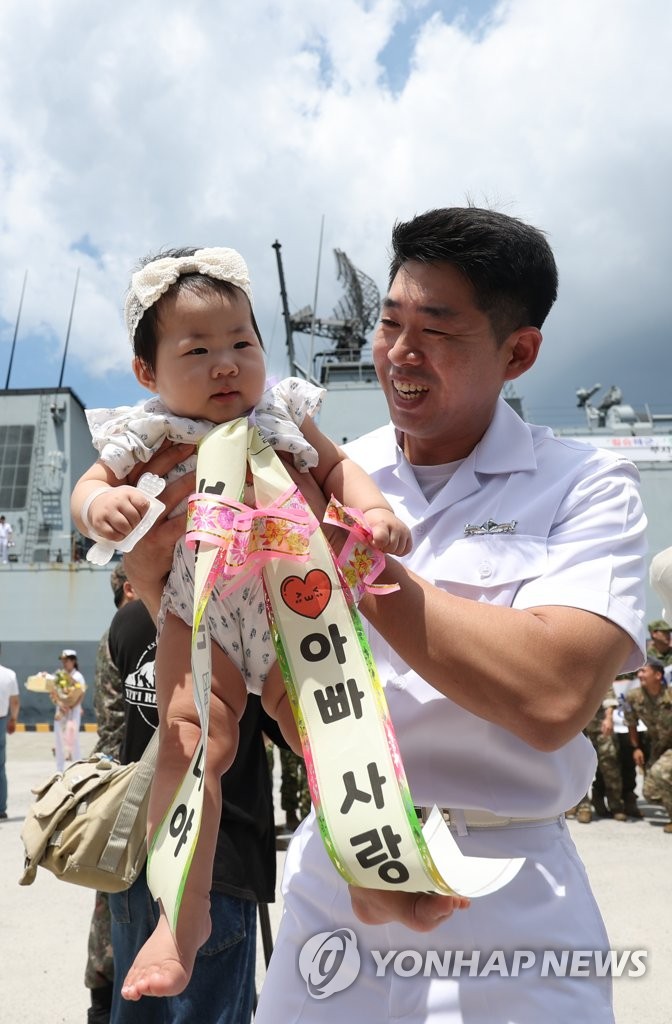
(150, 283)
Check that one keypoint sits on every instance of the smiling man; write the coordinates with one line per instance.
(524, 587)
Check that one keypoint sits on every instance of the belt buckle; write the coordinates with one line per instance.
(423, 814)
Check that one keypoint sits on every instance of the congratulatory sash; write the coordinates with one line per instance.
(356, 777)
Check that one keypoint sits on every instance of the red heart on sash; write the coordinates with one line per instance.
(308, 596)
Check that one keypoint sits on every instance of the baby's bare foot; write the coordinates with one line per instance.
(163, 966)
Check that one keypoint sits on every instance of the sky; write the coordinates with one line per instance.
(131, 127)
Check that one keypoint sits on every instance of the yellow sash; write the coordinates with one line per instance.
(355, 773)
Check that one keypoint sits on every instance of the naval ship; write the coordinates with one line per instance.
(52, 598)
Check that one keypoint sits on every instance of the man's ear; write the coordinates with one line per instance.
(144, 375)
(524, 345)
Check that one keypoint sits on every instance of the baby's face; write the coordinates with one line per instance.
(209, 360)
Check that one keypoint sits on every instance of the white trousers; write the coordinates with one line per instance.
(548, 907)
(66, 737)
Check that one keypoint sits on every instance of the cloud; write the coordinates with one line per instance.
(130, 128)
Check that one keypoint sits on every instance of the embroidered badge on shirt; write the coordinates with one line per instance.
(490, 527)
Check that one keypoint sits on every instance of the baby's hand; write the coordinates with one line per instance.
(114, 513)
(389, 533)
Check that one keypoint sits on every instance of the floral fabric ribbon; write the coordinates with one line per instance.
(359, 561)
(248, 538)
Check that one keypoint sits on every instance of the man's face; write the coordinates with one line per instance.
(660, 639)
(439, 363)
(649, 677)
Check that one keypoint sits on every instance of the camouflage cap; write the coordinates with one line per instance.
(659, 625)
(117, 577)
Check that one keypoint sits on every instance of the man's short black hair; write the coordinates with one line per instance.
(509, 264)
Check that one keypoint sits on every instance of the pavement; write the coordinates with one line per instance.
(44, 927)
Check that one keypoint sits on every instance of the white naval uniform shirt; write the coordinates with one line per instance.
(578, 542)
(9, 687)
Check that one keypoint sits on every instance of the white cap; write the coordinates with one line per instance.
(68, 653)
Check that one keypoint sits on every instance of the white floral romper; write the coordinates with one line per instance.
(131, 434)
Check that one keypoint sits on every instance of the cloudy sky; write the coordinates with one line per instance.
(137, 125)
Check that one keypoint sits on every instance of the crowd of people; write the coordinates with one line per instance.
(492, 527)
(631, 731)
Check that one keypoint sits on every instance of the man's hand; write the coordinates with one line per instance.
(11, 726)
(168, 456)
(421, 912)
(607, 727)
(148, 564)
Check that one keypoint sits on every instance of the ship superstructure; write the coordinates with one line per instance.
(50, 596)
(646, 439)
(341, 362)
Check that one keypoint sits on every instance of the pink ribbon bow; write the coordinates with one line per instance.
(359, 561)
(246, 537)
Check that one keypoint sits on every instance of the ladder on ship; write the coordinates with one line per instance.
(34, 511)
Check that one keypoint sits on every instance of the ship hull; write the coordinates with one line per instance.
(43, 609)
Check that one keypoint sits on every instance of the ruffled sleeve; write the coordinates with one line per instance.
(133, 433)
(281, 412)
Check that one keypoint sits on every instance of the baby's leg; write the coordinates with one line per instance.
(275, 703)
(164, 964)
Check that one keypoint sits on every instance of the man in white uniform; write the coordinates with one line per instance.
(524, 588)
(521, 601)
(9, 712)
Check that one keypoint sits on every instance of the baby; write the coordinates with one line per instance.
(198, 349)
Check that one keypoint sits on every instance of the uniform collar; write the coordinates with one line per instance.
(506, 447)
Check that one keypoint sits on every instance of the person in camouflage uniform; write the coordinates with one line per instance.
(622, 741)
(108, 703)
(652, 703)
(659, 645)
(608, 777)
(600, 732)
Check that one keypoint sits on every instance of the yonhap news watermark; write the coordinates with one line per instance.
(330, 962)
